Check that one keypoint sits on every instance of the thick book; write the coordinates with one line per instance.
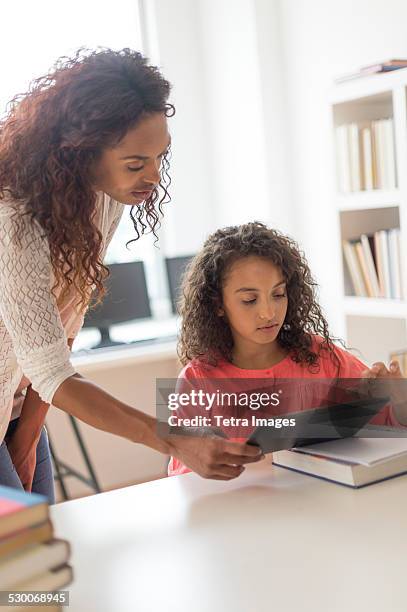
(355, 462)
(24, 538)
(50, 580)
(19, 509)
(32, 561)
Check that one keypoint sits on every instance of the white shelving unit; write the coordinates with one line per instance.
(375, 326)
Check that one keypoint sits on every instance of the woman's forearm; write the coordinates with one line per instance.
(211, 457)
(89, 403)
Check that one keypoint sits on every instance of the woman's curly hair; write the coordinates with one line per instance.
(206, 335)
(51, 136)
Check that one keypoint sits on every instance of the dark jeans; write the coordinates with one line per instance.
(43, 481)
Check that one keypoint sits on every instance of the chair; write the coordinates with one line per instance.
(63, 470)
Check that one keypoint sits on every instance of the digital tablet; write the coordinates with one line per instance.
(318, 425)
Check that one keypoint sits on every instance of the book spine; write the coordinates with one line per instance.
(354, 156)
(394, 264)
(354, 270)
(379, 263)
(342, 156)
(385, 261)
(364, 268)
(371, 270)
(367, 155)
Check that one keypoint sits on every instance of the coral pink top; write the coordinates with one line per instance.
(349, 367)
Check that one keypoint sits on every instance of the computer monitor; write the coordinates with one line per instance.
(175, 267)
(126, 299)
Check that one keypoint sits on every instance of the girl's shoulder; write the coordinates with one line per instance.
(197, 368)
(329, 360)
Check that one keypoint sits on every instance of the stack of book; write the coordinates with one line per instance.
(377, 68)
(366, 156)
(31, 559)
(374, 264)
(355, 462)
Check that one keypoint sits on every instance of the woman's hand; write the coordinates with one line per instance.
(22, 446)
(213, 456)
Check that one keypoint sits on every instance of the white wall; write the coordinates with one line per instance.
(229, 160)
(320, 40)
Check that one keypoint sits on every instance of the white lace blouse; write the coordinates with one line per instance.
(33, 330)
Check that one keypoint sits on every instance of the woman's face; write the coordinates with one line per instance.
(129, 171)
(255, 301)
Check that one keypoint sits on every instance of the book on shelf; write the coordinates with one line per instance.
(355, 273)
(30, 557)
(354, 462)
(374, 264)
(393, 243)
(368, 163)
(377, 68)
(365, 156)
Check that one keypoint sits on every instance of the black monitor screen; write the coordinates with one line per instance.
(175, 270)
(126, 297)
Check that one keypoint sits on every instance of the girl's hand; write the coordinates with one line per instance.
(389, 381)
(379, 370)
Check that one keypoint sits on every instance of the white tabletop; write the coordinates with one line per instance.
(271, 540)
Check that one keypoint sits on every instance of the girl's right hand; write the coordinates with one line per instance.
(212, 456)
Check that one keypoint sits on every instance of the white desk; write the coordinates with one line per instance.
(272, 540)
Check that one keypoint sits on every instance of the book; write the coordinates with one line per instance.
(364, 269)
(367, 158)
(354, 156)
(354, 268)
(370, 265)
(389, 154)
(384, 267)
(342, 156)
(50, 580)
(393, 237)
(377, 68)
(354, 462)
(25, 537)
(19, 509)
(379, 154)
(32, 561)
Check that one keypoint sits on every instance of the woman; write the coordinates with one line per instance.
(87, 140)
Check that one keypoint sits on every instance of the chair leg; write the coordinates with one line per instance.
(59, 475)
(93, 479)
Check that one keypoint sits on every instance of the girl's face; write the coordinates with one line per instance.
(254, 301)
(129, 171)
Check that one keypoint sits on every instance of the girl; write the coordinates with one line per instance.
(249, 310)
(87, 140)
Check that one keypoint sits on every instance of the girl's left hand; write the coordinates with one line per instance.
(379, 370)
(385, 381)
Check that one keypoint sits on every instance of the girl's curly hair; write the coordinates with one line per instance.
(52, 134)
(206, 335)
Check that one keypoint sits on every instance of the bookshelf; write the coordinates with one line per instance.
(372, 202)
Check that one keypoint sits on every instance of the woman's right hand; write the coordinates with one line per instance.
(212, 456)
